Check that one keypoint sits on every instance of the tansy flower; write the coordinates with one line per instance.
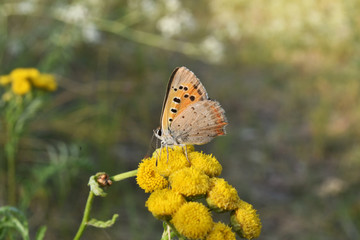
(220, 231)
(147, 177)
(193, 220)
(170, 159)
(20, 86)
(222, 196)
(24, 73)
(45, 81)
(163, 203)
(206, 163)
(246, 221)
(5, 80)
(189, 182)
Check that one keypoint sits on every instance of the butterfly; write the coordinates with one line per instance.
(188, 115)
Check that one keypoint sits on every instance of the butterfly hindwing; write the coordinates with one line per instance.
(184, 89)
(199, 123)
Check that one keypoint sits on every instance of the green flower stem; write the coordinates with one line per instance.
(90, 199)
(86, 216)
(124, 175)
(10, 151)
(175, 231)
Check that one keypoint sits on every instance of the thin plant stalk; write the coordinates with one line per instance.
(90, 199)
(10, 151)
(85, 218)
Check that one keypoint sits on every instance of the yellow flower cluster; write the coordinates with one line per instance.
(23, 79)
(177, 179)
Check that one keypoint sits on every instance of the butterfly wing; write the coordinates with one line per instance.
(199, 123)
(183, 89)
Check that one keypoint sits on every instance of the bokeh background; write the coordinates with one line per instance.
(286, 72)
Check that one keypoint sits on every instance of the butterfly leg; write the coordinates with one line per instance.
(159, 155)
(185, 150)
(167, 152)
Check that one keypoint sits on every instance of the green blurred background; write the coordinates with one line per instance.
(285, 71)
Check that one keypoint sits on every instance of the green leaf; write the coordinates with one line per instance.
(103, 224)
(12, 218)
(41, 233)
(95, 187)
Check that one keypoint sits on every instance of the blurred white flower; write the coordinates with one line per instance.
(213, 48)
(90, 33)
(73, 13)
(173, 24)
(169, 26)
(26, 7)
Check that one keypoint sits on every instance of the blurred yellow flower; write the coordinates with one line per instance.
(164, 203)
(222, 196)
(45, 81)
(206, 163)
(23, 78)
(220, 231)
(20, 86)
(148, 178)
(193, 220)
(189, 182)
(24, 73)
(246, 221)
(170, 159)
(5, 80)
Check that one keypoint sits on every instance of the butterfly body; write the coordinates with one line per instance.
(188, 115)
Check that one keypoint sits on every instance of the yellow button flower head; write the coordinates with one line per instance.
(5, 80)
(245, 221)
(20, 86)
(147, 177)
(222, 196)
(206, 163)
(193, 220)
(21, 78)
(24, 73)
(176, 160)
(189, 182)
(164, 203)
(45, 81)
(220, 231)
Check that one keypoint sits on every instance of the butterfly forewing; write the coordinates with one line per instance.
(184, 89)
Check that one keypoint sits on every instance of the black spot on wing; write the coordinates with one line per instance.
(192, 98)
(176, 99)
